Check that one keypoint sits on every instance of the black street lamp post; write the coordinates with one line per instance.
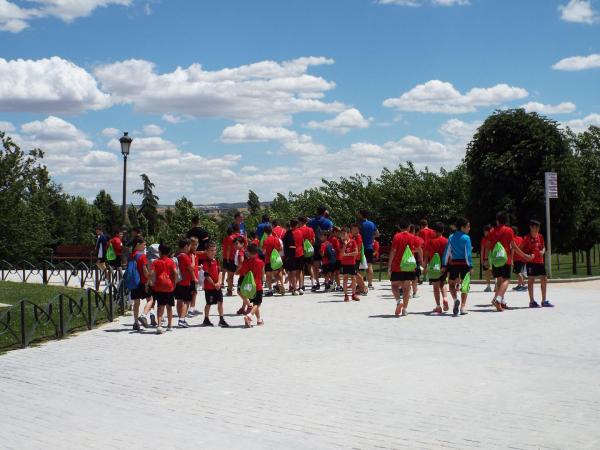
(125, 146)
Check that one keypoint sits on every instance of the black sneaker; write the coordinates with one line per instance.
(269, 294)
(207, 322)
(136, 327)
(222, 323)
(456, 308)
(152, 320)
(315, 288)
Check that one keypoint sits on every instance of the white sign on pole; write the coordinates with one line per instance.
(551, 191)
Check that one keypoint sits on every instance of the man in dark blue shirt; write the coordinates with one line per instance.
(260, 229)
(367, 230)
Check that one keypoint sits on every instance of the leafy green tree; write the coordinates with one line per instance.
(149, 206)
(253, 203)
(110, 212)
(505, 163)
(132, 215)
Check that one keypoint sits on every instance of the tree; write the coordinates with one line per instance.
(505, 164)
(110, 212)
(132, 215)
(149, 206)
(253, 203)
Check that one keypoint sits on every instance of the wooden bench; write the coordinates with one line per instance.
(74, 253)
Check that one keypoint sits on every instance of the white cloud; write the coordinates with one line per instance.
(343, 122)
(241, 133)
(561, 108)
(48, 85)
(580, 125)
(153, 130)
(575, 63)
(266, 92)
(171, 118)
(7, 127)
(415, 3)
(100, 158)
(15, 19)
(578, 11)
(457, 131)
(110, 132)
(437, 96)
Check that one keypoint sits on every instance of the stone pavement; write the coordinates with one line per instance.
(320, 374)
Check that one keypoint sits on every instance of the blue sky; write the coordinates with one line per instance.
(226, 96)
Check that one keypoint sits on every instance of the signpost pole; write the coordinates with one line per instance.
(550, 191)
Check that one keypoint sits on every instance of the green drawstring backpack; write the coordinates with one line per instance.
(248, 287)
(309, 250)
(498, 255)
(110, 253)
(408, 262)
(434, 269)
(276, 261)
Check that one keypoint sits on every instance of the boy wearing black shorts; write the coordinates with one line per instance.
(349, 253)
(212, 286)
(437, 245)
(164, 276)
(401, 280)
(534, 244)
(458, 262)
(183, 290)
(255, 265)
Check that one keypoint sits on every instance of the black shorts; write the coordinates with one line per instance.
(348, 270)
(268, 268)
(501, 272)
(457, 271)
(369, 255)
(441, 279)
(337, 266)
(403, 276)
(213, 296)
(317, 256)
(518, 267)
(294, 263)
(164, 298)
(101, 260)
(229, 265)
(327, 268)
(183, 293)
(193, 287)
(308, 260)
(115, 263)
(536, 270)
(258, 298)
(140, 292)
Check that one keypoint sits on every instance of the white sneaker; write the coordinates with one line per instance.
(404, 312)
(159, 330)
(300, 292)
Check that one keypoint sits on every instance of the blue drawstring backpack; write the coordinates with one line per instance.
(132, 276)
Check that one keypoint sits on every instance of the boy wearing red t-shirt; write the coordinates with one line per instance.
(336, 243)
(164, 277)
(194, 284)
(296, 273)
(255, 265)
(483, 253)
(328, 259)
(534, 244)
(349, 252)
(400, 279)
(361, 287)
(142, 290)
(117, 245)
(183, 290)
(418, 253)
(505, 235)
(518, 263)
(270, 244)
(437, 244)
(212, 286)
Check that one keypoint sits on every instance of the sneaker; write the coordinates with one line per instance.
(497, 305)
(365, 293)
(415, 295)
(547, 304)
(487, 289)
(207, 323)
(505, 306)
(143, 321)
(404, 312)
(456, 308)
(446, 307)
(437, 310)
(269, 294)
(371, 287)
(241, 311)
(136, 327)
(222, 323)
(300, 292)
(516, 288)
(346, 298)
(315, 288)
(356, 298)
(159, 330)
(182, 324)
(169, 328)
(339, 289)
(534, 304)
(463, 313)
(152, 320)
(294, 292)
(189, 315)
(229, 293)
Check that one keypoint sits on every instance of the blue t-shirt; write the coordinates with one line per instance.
(458, 248)
(367, 231)
(242, 228)
(260, 229)
(319, 224)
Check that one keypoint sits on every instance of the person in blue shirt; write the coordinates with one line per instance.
(260, 229)
(319, 224)
(457, 262)
(367, 230)
(239, 219)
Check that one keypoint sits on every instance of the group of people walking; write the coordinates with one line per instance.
(279, 259)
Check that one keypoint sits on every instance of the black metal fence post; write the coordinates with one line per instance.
(110, 303)
(89, 308)
(23, 330)
(45, 272)
(61, 316)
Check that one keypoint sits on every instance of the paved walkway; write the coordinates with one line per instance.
(320, 374)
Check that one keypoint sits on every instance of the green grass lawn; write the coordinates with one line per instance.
(48, 316)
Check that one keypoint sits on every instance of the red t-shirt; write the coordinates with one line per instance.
(256, 266)
(519, 242)
(351, 247)
(534, 246)
(337, 246)
(436, 245)
(298, 235)
(271, 243)
(399, 243)
(426, 234)
(196, 263)
(308, 233)
(184, 263)
(485, 247)
(164, 270)
(376, 246)
(256, 242)
(117, 245)
(359, 242)
(505, 235)
(141, 262)
(420, 243)
(324, 258)
(211, 269)
(278, 231)
(227, 248)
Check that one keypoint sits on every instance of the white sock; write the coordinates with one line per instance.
(499, 299)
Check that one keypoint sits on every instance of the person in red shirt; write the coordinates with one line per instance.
(194, 242)
(419, 258)
(163, 278)
(336, 243)
(270, 244)
(534, 245)
(256, 266)
(142, 291)
(426, 234)
(436, 245)
(518, 263)
(212, 285)
(278, 230)
(376, 247)
(229, 256)
(117, 245)
(361, 287)
(296, 265)
(328, 259)
(400, 279)
(349, 253)
(505, 235)
(183, 290)
(483, 253)
(310, 265)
